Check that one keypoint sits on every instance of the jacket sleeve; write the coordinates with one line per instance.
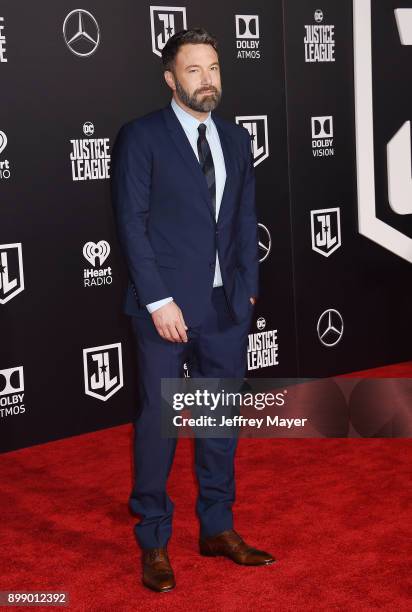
(248, 249)
(130, 188)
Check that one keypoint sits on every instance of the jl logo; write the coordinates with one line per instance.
(11, 271)
(103, 370)
(325, 230)
(257, 126)
(164, 22)
(398, 149)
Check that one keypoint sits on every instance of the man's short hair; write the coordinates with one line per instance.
(196, 36)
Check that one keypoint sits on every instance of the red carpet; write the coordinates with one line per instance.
(336, 514)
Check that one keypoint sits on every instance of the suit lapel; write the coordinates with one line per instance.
(186, 152)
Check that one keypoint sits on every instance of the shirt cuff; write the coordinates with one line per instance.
(155, 305)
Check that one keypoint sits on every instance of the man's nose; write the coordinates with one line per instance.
(206, 78)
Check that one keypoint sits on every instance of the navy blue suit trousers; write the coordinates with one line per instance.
(216, 347)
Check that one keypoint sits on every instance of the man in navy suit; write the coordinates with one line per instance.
(183, 193)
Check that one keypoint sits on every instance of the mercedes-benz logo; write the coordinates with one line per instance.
(265, 242)
(81, 32)
(330, 327)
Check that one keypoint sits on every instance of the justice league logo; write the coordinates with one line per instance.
(319, 40)
(383, 217)
(103, 370)
(257, 126)
(325, 230)
(164, 22)
(11, 271)
(90, 157)
(263, 347)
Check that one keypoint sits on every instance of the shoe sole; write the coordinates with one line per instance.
(210, 554)
(166, 590)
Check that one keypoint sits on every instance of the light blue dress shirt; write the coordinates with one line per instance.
(190, 125)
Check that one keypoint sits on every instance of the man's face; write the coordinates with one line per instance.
(196, 77)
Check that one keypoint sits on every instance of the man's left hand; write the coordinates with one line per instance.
(253, 299)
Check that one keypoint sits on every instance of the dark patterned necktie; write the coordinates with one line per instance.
(206, 162)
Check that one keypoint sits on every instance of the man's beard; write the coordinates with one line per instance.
(203, 104)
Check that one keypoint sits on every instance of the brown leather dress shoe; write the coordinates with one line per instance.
(157, 571)
(230, 544)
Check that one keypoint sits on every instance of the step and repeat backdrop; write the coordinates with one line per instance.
(323, 91)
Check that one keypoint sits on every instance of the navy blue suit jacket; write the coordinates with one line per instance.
(165, 218)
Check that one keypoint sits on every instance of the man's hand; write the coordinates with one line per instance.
(169, 322)
(253, 299)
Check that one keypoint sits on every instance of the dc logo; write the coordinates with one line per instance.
(103, 370)
(257, 126)
(318, 15)
(81, 32)
(247, 26)
(325, 230)
(11, 271)
(88, 128)
(261, 323)
(322, 127)
(265, 242)
(11, 380)
(93, 251)
(330, 327)
(164, 22)
(398, 149)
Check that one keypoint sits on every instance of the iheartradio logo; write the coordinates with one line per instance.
(94, 250)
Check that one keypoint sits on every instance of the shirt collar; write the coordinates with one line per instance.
(187, 120)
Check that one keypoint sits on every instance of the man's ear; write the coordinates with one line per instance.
(170, 79)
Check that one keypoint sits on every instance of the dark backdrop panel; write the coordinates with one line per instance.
(367, 284)
(48, 95)
(318, 254)
(257, 87)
